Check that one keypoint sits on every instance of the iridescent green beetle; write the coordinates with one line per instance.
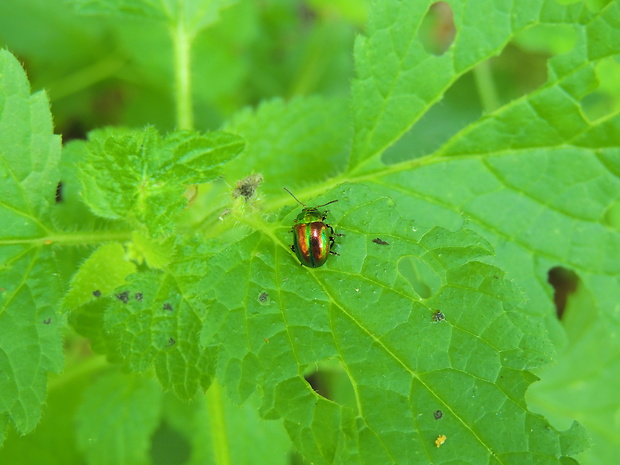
(312, 238)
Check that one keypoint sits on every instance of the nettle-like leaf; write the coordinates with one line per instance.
(30, 286)
(461, 351)
(155, 321)
(140, 177)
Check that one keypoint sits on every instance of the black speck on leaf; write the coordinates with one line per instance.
(138, 296)
(123, 297)
(97, 293)
(380, 241)
(168, 307)
(438, 316)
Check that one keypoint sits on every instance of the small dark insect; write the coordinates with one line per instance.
(246, 188)
(59, 187)
(380, 241)
(172, 341)
(168, 307)
(437, 414)
(47, 322)
(264, 297)
(266, 340)
(97, 293)
(123, 297)
(138, 296)
(438, 316)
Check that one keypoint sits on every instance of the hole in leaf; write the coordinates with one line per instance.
(437, 29)
(520, 69)
(423, 278)
(329, 379)
(605, 99)
(564, 282)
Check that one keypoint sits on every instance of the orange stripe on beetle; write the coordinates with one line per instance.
(312, 237)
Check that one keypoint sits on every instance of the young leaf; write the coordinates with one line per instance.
(30, 342)
(140, 177)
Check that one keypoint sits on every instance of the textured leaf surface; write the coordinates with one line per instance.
(140, 177)
(155, 320)
(403, 361)
(30, 343)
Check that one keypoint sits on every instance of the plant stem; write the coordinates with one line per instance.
(486, 87)
(217, 422)
(182, 41)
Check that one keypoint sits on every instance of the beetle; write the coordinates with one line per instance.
(312, 237)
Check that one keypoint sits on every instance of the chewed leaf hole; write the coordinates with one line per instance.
(424, 280)
(437, 30)
(564, 282)
(604, 100)
(329, 379)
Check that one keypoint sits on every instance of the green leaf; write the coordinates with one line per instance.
(104, 271)
(30, 344)
(404, 364)
(116, 419)
(140, 177)
(291, 153)
(155, 320)
(397, 79)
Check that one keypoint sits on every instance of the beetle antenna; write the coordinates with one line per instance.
(331, 201)
(294, 196)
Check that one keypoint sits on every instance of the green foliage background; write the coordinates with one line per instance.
(151, 310)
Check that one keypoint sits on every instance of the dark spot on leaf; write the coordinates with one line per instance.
(437, 414)
(138, 296)
(495, 277)
(97, 293)
(123, 297)
(247, 187)
(168, 307)
(172, 341)
(564, 282)
(438, 316)
(263, 298)
(380, 241)
(59, 188)
(47, 322)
